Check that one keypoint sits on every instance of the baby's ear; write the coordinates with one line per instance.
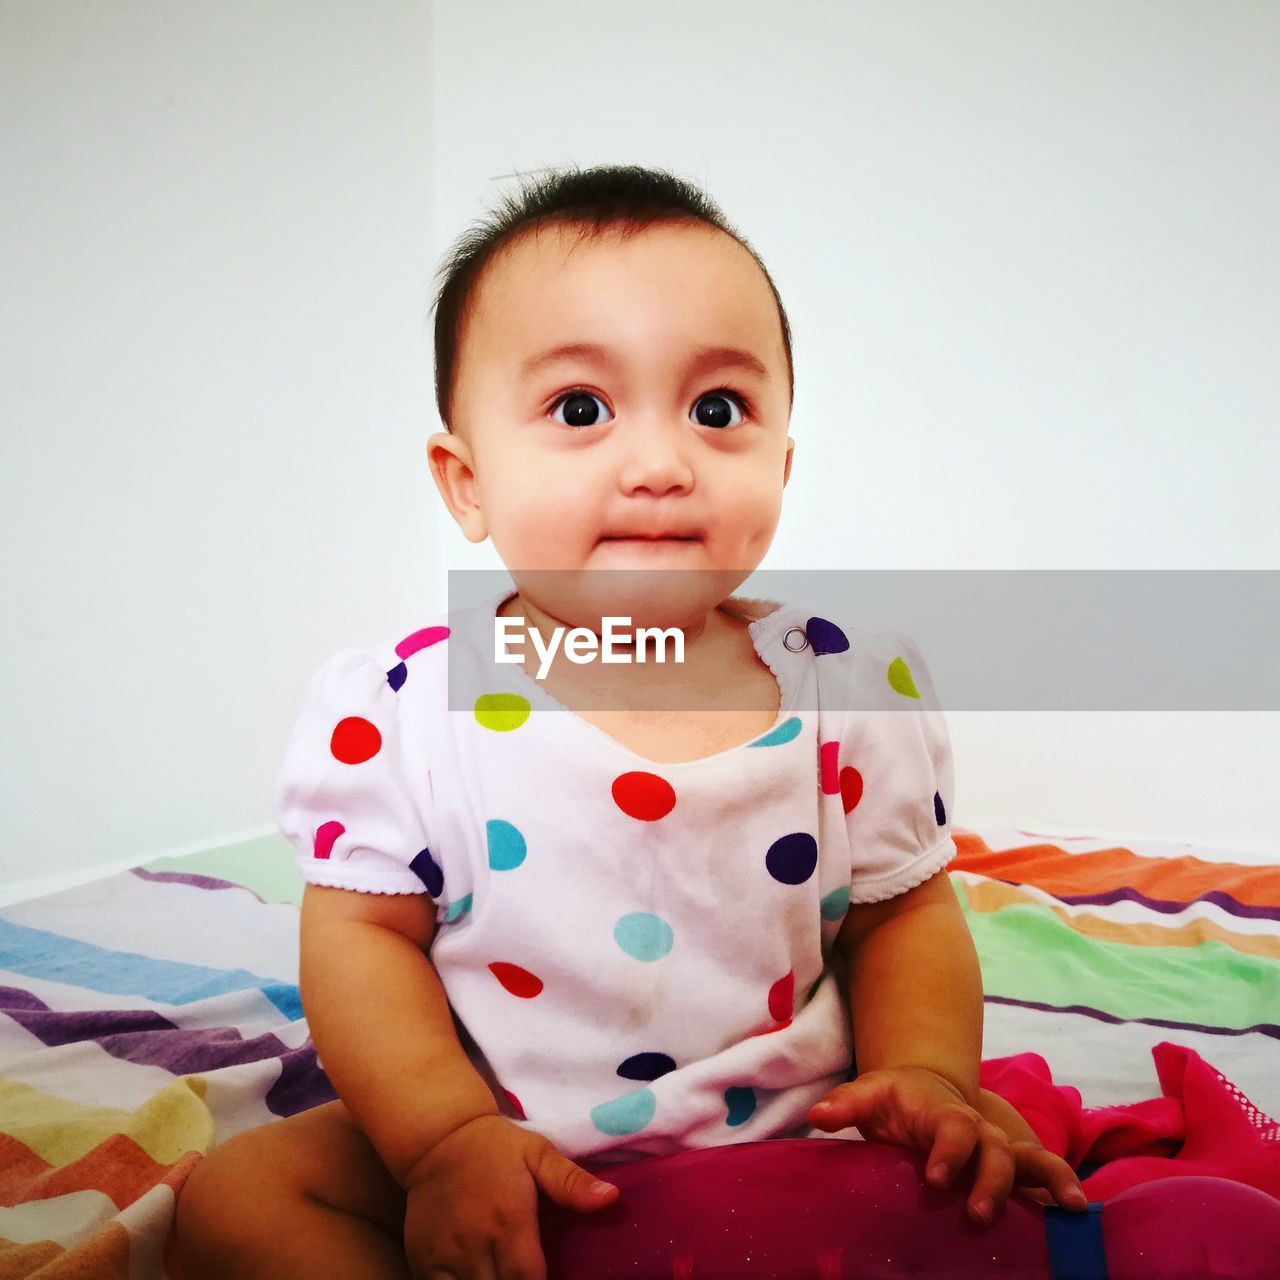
(451, 468)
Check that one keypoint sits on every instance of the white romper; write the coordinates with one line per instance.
(635, 952)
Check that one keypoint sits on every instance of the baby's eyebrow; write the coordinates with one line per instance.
(702, 359)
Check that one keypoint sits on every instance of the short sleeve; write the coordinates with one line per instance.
(346, 797)
(896, 774)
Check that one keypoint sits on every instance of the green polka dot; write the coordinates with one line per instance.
(501, 712)
(836, 903)
(739, 1105)
(900, 679)
(507, 848)
(627, 1114)
(785, 732)
(644, 936)
(456, 909)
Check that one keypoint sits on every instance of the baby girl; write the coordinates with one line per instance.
(574, 911)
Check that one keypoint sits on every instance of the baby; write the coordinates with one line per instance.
(561, 920)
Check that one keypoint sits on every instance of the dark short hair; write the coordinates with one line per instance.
(624, 198)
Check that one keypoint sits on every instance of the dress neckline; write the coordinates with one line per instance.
(764, 626)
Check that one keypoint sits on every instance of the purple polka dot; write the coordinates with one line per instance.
(427, 869)
(646, 1066)
(825, 637)
(792, 859)
(938, 811)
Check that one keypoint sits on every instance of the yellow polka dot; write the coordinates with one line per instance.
(501, 712)
(900, 679)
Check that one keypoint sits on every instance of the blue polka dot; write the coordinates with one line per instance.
(644, 936)
(427, 869)
(785, 732)
(938, 811)
(646, 1066)
(397, 676)
(836, 904)
(740, 1103)
(792, 859)
(506, 845)
(627, 1114)
(825, 637)
(456, 909)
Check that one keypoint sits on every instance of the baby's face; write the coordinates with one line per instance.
(656, 433)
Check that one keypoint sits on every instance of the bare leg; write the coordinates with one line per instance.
(305, 1196)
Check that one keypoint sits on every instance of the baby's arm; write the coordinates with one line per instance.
(381, 1021)
(914, 983)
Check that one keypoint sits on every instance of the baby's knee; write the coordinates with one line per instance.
(234, 1203)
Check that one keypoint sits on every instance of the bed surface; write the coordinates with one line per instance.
(150, 1013)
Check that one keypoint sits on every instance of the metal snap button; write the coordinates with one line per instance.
(802, 643)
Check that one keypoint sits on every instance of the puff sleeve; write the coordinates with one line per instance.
(353, 795)
(895, 771)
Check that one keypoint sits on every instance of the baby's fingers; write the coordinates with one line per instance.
(954, 1133)
(1039, 1167)
(997, 1168)
(520, 1256)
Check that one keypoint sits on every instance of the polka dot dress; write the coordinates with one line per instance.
(636, 951)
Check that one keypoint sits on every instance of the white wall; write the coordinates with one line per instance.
(215, 379)
(1028, 255)
(1027, 251)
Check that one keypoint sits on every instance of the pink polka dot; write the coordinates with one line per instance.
(643, 795)
(515, 1103)
(829, 757)
(423, 639)
(355, 740)
(326, 834)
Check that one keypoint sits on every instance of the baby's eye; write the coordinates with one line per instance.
(717, 398)
(579, 408)
(581, 413)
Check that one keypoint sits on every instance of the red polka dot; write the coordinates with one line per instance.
(850, 788)
(768, 1031)
(520, 982)
(643, 795)
(355, 740)
(829, 758)
(782, 998)
(515, 1103)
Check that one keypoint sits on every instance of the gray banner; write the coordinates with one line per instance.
(993, 640)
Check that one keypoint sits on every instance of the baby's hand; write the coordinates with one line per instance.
(915, 1107)
(471, 1211)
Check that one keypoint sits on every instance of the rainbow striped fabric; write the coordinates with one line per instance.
(149, 1015)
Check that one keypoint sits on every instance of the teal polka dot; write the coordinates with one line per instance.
(785, 732)
(740, 1102)
(644, 936)
(836, 904)
(456, 909)
(627, 1114)
(506, 845)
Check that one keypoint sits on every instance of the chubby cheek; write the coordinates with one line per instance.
(746, 521)
(543, 523)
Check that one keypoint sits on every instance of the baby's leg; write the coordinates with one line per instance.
(304, 1196)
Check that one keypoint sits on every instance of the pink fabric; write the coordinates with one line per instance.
(1222, 1134)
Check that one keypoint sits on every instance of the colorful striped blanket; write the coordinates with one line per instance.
(151, 1014)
